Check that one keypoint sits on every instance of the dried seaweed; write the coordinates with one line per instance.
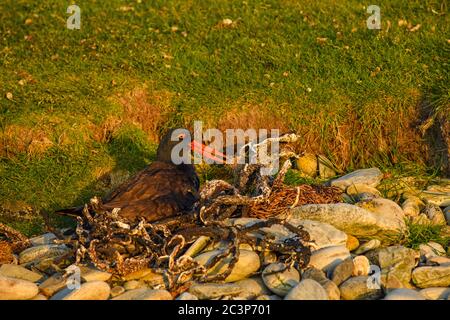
(13, 238)
(111, 243)
(115, 245)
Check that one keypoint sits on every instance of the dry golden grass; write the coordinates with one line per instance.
(253, 116)
(15, 139)
(147, 109)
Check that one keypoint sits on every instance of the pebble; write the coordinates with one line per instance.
(307, 289)
(327, 259)
(396, 263)
(447, 215)
(92, 274)
(343, 271)
(19, 272)
(367, 246)
(42, 252)
(426, 277)
(361, 266)
(280, 283)
(46, 238)
(39, 296)
(353, 219)
(52, 285)
(197, 246)
(412, 206)
(252, 287)
(437, 195)
(17, 289)
(421, 219)
(151, 278)
(307, 164)
(186, 296)
(139, 274)
(385, 210)
(330, 287)
(431, 250)
(404, 294)
(117, 290)
(144, 294)
(134, 284)
(323, 234)
(358, 188)
(358, 288)
(267, 297)
(269, 257)
(94, 290)
(247, 264)
(435, 214)
(352, 243)
(370, 177)
(438, 260)
(435, 293)
(214, 290)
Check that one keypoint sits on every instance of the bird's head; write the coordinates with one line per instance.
(175, 143)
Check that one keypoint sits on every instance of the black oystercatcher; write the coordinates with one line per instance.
(163, 189)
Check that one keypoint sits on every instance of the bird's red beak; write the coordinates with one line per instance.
(208, 152)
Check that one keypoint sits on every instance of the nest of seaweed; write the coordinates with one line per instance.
(113, 244)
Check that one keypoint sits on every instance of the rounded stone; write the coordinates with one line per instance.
(426, 277)
(247, 264)
(17, 289)
(404, 294)
(134, 284)
(361, 266)
(435, 214)
(318, 275)
(282, 282)
(42, 252)
(367, 246)
(352, 243)
(343, 271)
(93, 274)
(307, 289)
(145, 294)
(252, 288)
(431, 250)
(94, 290)
(412, 206)
(370, 177)
(328, 258)
(186, 296)
(19, 272)
(359, 288)
(446, 212)
(358, 188)
(435, 293)
(214, 290)
(117, 290)
(307, 164)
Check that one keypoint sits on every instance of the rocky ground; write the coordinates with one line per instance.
(358, 252)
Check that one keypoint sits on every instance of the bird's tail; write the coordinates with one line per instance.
(94, 203)
(71, 212)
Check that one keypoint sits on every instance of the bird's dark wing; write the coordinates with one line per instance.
(161, 190)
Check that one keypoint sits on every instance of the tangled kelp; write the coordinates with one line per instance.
(113, 244)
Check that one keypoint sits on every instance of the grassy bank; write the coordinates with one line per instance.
(80, 110)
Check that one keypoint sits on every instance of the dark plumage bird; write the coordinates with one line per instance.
(162, 189)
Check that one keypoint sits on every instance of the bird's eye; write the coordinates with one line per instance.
(181, 136)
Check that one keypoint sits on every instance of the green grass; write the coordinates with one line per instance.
(271, 59)
(423, 233)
